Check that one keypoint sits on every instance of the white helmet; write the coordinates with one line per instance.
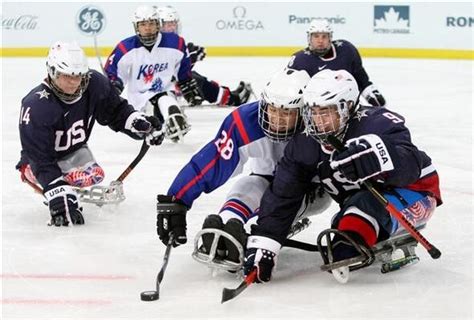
(68, 59)
(319, 26)
(284, 91)
(146, 13)
(334, 91)
(169, 14)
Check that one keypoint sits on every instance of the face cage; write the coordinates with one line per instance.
(312, 130)
(264, 122)
(66, 97)
(178, 25)
(150, 40)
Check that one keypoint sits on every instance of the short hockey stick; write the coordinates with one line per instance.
(432, 250)
(155, 295)
(228, 294)
(135, 161)
(122, 177)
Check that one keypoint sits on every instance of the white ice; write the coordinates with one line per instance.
(98, 270)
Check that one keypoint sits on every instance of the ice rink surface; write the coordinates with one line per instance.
(98, 270)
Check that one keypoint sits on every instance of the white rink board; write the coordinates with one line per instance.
(368, 25)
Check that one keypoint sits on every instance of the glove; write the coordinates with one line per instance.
(157, 134)
(363, 158)
(63, 202)
(118, 85)
(261, 254)
(196, 53)
(171, 218)
(373, 96)
(149, 127)
(189, 89)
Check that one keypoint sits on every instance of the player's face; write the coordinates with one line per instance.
(326, 119)
(170, 26)
(68, 84)
(282, 120)
(148, 28)
(320, 41)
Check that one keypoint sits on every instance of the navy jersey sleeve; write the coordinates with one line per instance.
(283, 198)
(216, 162)
(38, 118)
(407, 160)
(357, 70)
(112, 110)
(184, 71)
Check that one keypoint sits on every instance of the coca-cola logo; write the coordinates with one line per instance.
(90, 20)
(23, 22)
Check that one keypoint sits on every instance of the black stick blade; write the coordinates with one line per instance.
(229, 294)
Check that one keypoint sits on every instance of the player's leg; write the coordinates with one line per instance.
(176, 123)
(80, 169)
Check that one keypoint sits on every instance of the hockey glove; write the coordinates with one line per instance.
(364, 157)
(171, 218)
(373, 96)
(63, 204)
(262, 255)
(118, 85)
(196, 53)
(145, 126)
(190, 90)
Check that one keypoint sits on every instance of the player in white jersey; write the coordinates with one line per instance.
(256, 133)
(211, 90)
(147, 63)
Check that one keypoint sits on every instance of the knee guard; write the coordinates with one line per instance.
(87, 177)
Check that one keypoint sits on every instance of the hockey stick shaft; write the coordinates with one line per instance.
(432, 250)
(166, 258)
(228, 294)
(97, 54)
(138, 158)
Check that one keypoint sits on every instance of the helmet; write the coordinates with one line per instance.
(279, 112)
(146, 13)
(329, 101)
(319, 26)
(169, 14)
(68, 59)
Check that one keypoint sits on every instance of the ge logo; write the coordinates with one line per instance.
(90, 20)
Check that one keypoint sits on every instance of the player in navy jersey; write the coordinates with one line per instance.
(148, 63)
(378, 147)
(255, 133)
(56, 120)
(325, 53)
(211, 90)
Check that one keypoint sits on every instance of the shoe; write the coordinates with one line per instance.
(235, 228)
(213, 221)
(343, 249)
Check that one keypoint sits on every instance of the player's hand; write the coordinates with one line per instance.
(373, 96)
(196, 53)
(261, 254)
(363, 158)
(63, 205)
(190, 90)
(171, 217)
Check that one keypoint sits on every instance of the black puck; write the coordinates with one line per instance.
(149, 295)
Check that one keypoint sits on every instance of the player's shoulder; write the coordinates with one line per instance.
(344, 45)
(128, 44)
(172, 40)
(245, 119)
(42, 103)
(377, 119)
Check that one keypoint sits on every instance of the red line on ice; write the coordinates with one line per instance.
(65, 276)
(55, 301)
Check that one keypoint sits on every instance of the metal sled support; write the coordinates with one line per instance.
(213, 261)
(102, 195)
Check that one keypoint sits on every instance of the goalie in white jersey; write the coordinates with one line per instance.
(256, 133)
(147, 63)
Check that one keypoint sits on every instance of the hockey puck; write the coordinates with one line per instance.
(149, 295)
